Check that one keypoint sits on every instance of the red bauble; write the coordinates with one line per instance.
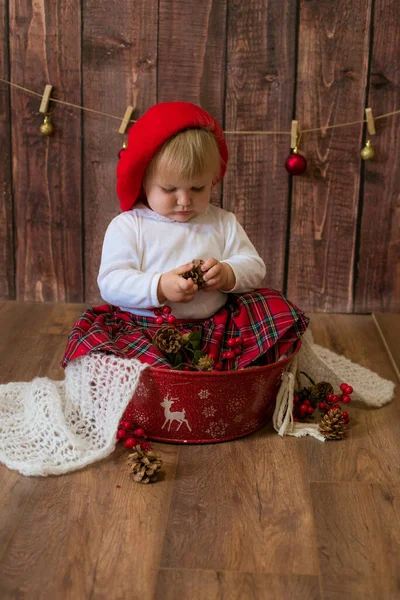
(295, 164)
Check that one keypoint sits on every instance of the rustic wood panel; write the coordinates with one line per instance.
(119, 65)
(7, 262)
(45, 48)
(191, 57)
(378, 282)
(332, 75)
(371, 451)
(259, 96)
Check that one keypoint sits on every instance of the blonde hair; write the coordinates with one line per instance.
(188, 154)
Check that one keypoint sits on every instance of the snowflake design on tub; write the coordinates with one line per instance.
(252, 424)
(236, 404)
(142, 394)
(238, 419)
(259, 384)
(209, 411)
(217, 428)
(203, 394)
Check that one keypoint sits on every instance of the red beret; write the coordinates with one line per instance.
(149, 133)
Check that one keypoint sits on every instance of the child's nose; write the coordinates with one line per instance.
(183, 198)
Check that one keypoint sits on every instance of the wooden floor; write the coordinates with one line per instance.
(259, 518)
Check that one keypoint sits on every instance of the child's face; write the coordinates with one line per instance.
(178, 200)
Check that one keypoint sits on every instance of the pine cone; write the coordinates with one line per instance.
(205, 363)
(144, 465)
(196, 274)
(332, 425)
(319, 391)
(168, 339)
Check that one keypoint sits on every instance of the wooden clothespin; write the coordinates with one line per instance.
(294, 135)
(370, 121)
(46, 127)
(126, 119)
(367, 153)
(44, 106)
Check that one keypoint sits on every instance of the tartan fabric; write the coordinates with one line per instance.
(266, 321)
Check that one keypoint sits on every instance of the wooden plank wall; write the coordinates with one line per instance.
(330, 238)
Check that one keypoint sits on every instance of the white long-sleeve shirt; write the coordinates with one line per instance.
(140, 245)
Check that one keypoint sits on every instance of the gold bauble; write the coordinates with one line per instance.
(46, 127)
(367, 152)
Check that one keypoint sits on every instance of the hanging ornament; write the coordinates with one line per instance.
(46, 127)
(367, 153)
(295, 163)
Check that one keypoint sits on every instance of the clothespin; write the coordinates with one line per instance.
(293, 135)
(44, 106)
(46, 127)
(370, 121)
(367, 153)
(126, 119)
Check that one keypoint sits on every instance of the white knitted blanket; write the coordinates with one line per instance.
(53, 427)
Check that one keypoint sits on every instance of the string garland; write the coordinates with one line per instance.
(227, 132)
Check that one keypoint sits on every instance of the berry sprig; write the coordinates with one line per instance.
(235, 345)
(164, 315)
(307, 400)
(133, 434)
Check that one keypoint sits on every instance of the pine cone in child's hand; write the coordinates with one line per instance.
(168, 339)
(196, 274)
(144, 465)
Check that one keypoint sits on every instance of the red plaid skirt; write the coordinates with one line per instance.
(266, 321)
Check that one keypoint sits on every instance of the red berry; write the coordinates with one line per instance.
(238, 341)
(223, 355)
(166, 310)
(307, 402)
(231, 342)
(125, 424)
(348, 390)
(230, 354)
(130, 442)
(159, 320)
(336, 406)
(310, 410)
(343, 387)
(322, 405)
(329, 397)
(218, 366)
(345, 416)
(345, 398)
(303, 408)
(296, 398)
(187, 368)
(335, 398)
(171, 319)
(121, 433)
(295, 419)
(157, 312)
(139, 432)
(237, 350)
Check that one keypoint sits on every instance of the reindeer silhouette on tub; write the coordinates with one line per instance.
(173, 416)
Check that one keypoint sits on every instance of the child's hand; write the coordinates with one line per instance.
(219, 276)
(173, 287)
